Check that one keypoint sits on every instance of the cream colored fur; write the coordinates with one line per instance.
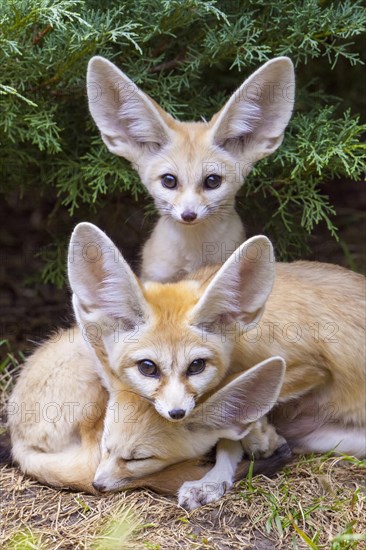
(261, 441)
(55, 413)
(137, 441)
(134, 322)
(59, 405)
(313, 316)
(249, 127)
(233, 316)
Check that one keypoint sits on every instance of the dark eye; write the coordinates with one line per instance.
(148, 368)
(169, 181)
(212, 182)
(197, 366)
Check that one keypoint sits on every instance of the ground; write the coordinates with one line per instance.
(315, 502)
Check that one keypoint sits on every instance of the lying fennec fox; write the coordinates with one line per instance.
(193, 170)
(173, 342)
(59, 405)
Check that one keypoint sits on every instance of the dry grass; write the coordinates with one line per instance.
(319, 498)
(316, 502)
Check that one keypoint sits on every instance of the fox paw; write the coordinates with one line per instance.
(194, 494)
(262, 440)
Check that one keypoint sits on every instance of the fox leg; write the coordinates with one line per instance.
(217, 481)
(348, 440)
(262, 440)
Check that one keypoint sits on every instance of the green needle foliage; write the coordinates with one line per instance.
(189, 55)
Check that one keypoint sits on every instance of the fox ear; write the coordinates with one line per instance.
(241, 287)
(105, 290)
(242, 401)
(129, 120)
(253, 121)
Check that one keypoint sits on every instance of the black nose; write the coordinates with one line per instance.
(177, 414)
(188, 216)
(99, 486)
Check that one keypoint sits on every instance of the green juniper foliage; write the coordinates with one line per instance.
(189, 55)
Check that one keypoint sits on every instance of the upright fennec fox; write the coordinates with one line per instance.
(174, 342)
(145, 330)
(68, 430)
(193, 170)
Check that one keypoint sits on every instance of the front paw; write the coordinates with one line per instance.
(194, 494)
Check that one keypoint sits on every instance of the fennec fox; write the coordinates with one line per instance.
(68, 430)
(210, 323)
(173, 342)
(193, 170)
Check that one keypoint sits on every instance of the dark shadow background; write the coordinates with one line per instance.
(31, 310)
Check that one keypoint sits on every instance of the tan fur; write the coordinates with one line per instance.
(249, 127)
(56, 412)
(65, 433)
(314, 317)
(325, 372)
(326, 305)
(322, 307)
(305, 297)
(134, 322)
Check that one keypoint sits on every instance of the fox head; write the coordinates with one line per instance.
(170, 343)
(137, 442)
(192, 169)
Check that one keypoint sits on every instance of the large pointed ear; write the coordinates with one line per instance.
(242, 401)
(105, 290)
(253, 121)
(241, 287)
(130, 121)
